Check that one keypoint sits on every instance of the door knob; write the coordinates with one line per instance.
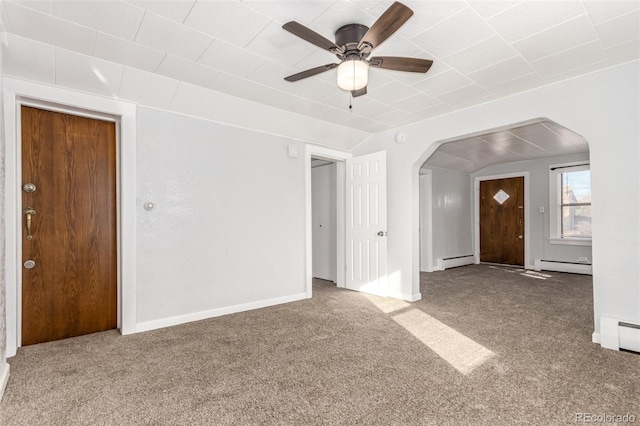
(520, 236)
(28, 187)
(381, 234)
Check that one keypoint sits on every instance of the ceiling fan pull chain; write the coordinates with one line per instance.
(350, 101)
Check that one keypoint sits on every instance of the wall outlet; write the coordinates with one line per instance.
(583, 259)
(541, 209)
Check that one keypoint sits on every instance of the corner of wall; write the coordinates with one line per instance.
(4, 378)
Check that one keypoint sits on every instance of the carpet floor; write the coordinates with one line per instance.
(486, 345)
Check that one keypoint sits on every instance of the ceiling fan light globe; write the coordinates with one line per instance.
(353, 74)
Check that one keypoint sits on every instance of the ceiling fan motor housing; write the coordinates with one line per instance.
(348, 37)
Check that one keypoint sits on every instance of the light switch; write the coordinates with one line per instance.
(293, 151)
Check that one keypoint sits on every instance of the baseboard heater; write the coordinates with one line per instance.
(453, 262)
(616, 334)
(557, 266)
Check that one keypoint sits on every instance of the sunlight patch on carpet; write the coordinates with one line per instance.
(458, 350)
(461, 352)
(387, 304)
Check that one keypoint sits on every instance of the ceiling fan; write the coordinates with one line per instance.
(354, 43)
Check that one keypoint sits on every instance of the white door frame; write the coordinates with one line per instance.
(476, 208)
(19, 92)
(339, 157)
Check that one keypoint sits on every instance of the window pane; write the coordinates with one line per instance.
(576, 221)
(576, 187)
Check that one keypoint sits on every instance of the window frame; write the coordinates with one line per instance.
(555, 203)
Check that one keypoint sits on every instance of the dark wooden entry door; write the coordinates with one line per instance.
(502, 221)
(72, 289)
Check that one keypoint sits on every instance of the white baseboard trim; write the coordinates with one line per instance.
(197, 316)
(4, 379)
(595, 337)
(575, 268)
(616, 334)
(454, 262)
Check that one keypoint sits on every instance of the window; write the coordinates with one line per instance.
(570, 204)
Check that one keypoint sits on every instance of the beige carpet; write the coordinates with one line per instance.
(486, 345)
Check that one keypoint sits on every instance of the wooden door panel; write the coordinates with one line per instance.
(72, 290)
(502, 221)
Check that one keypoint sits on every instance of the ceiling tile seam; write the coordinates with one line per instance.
(568, 74)
(332, 4)
(515, 3)
(184, 26)
(490, 88)
(553, 26)
(188, 13)
(3, 12)
(470, 46)
(35, 11)
(270, 87)
(620, 44)
(121, 80)
(616, 17)
(441, 21)
(597, 39)
(259, 32)
(144, 14)
(553, 131)
(160, 64)
(530, 143)
(173, 96)
(504, 40)
(494, 64)
(197, 61)
(93, 44)
(444, 93)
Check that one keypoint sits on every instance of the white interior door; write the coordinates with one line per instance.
(366, 227)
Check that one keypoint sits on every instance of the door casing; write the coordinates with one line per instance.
(18, 93)
(476, 218)
(339, 158)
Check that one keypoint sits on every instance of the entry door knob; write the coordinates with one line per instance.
(520, 236)
(381, 234)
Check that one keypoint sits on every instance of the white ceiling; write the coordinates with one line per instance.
(199, 57)
(538, 139)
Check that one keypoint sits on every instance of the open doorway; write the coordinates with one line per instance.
(324, 219)
(450, 198)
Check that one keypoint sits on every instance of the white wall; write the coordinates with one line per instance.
(451, 215)
(604, 108)
(228, 227)
(539, 247)
(323, 219)
(4, 367)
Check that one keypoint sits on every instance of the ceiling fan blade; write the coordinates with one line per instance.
(310, 72)
(359, 92)
(399, 63)
(311, 36)
(387, 24)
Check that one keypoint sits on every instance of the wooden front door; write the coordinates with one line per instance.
(70, 289)
(502, 221)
